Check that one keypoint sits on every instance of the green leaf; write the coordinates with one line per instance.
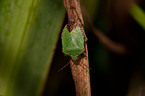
(29, 30)
(138, 14)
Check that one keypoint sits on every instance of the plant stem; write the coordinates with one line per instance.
(79, 68)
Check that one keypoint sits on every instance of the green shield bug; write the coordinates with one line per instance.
(73, 42)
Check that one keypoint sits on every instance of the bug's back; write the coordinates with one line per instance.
(73, 42)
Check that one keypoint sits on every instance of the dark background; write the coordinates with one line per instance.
(111, 74)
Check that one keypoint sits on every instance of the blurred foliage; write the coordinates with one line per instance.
(29, 30)
(138, 14)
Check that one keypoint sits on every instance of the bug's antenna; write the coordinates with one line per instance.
(63, 67)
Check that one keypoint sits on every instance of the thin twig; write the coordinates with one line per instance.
(79, 70)
(113, 46)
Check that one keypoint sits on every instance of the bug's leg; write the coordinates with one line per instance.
(63, 67)
(84, 54)
(85, 38)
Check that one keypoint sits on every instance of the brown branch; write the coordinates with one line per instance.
(111, 45)
(79, 69)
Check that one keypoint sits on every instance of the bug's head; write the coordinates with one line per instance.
(71, 25)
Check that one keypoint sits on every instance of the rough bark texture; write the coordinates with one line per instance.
(79, 68)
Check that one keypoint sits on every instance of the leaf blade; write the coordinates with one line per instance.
(39, 27)
(138, 14)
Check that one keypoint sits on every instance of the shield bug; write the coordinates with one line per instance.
(73, 42)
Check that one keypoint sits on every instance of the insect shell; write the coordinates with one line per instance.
(72, 42)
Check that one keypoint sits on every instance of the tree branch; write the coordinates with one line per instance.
(79, 68)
